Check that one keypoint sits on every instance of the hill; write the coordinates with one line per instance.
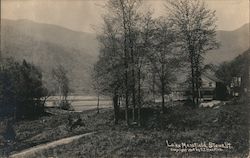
(232, 44)
(48, 45)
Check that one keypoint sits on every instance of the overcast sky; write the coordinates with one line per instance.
(81, 15)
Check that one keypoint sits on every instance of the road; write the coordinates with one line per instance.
(31, 152)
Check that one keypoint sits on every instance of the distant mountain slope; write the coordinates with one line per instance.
(54, 34)
(232, 43)
(49, 45)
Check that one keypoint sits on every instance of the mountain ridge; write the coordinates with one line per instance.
(48, 45)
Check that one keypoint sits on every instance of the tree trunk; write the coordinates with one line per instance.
(139, 98)
(197, 85)
(126, 99)
(98, 103)
(162, 98)
(60, 97)
(196, 68)
(192, 79)
(133, 94)
(133, 71)
(154, 86)
(116, 108)
(162, 89)
(125, 61)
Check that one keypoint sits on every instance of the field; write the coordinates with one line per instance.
(179, 124)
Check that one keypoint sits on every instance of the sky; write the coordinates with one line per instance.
(84, 15)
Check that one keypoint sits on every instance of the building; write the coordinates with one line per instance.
(211, 88)
(235, 86)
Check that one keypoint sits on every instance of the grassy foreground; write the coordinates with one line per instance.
(179, 124)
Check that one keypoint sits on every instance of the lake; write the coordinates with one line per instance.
(81, 103)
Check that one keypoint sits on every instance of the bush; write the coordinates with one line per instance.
(21, 89)
(65, 105)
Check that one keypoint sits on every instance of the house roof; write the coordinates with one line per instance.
(211, 77)
(180, 87)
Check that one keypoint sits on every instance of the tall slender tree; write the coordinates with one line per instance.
(109, 68)
(195, 30)
(144, 46)
(60, 75)
(163, 56)
(125, 12)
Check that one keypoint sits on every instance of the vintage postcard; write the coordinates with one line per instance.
(124, 78)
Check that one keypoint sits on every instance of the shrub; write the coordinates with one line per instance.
(65, 105)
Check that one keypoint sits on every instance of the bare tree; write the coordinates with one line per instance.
(126, 13)
(96, 85)
(109, 68)
(162, 57)
(60, 75)
(195, 30)
(144, 46)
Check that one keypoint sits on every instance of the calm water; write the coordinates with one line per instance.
(81, 103)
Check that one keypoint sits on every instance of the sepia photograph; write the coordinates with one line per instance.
(125, 79)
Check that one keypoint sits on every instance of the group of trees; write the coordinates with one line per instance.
(136, 48)
(21, 89)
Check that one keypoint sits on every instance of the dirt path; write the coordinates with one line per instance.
(32, 151)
